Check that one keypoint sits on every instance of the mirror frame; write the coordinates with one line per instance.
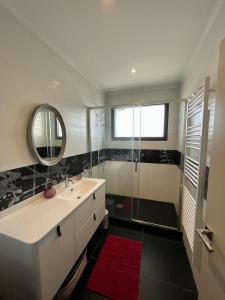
(30, 137)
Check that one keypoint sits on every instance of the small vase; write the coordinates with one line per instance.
(49, 192)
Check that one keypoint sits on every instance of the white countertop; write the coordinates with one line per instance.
(30, 222)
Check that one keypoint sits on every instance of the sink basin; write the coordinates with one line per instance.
(76, 190)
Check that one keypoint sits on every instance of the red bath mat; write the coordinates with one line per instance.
(116, 273)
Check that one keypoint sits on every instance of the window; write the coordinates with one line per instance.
(149, 122)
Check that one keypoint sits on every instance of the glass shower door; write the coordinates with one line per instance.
(116, 157)
(142, 183)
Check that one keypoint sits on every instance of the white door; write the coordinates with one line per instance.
(212, 273)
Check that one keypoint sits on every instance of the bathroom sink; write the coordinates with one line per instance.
(76, 190)
(68, 194)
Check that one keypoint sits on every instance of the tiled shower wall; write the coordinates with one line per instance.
(19, 184)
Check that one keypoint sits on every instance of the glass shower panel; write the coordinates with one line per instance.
(121, 167)
(158, 174)
(115, 157)
(96, 141)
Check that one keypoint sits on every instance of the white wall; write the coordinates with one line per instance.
(181, 124)
(205, 59)
(97, 129)
(159, 182)
(204, 62)
(142, 95)
(31, 74)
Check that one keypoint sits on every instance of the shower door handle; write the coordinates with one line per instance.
(136, 164)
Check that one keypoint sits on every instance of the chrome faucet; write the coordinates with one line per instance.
(79, 176)
(67, 181)
(86, 172)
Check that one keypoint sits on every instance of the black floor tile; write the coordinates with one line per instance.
(99, 245)
(89, 295)
(120, 206)
(165, 233)
(157, 212)
(151, 289)
(81, 292)
(167, 261)
(125, 232)
(165, 270)
(127, 208)
(129, 224)
(96, 242)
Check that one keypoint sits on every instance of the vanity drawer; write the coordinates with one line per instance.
(56, 256)
(83, 237)
(98, 216)
(89, 228)
(88, 207)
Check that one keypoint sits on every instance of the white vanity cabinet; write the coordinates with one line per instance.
(54, 256)
(33, 265)
(88, 217)
(36, 271)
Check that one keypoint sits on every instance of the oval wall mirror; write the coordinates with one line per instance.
(46, 135)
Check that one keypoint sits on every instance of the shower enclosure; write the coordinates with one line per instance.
(142, 184)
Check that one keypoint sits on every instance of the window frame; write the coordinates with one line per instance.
(165, 130)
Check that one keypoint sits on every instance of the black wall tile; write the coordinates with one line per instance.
(146, 155)
(94, 157)
(56, 172)
(26, 181)
(40, 178)
(15, 186)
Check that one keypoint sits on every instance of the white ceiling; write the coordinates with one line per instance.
(104, 39)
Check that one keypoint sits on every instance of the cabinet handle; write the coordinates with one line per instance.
(59, 231)
(94, 217)
(136, 164)
(94, 196)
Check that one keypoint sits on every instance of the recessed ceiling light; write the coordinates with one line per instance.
(133, 71)
(107, 3)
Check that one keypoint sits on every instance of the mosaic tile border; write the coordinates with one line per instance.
(19, 184)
